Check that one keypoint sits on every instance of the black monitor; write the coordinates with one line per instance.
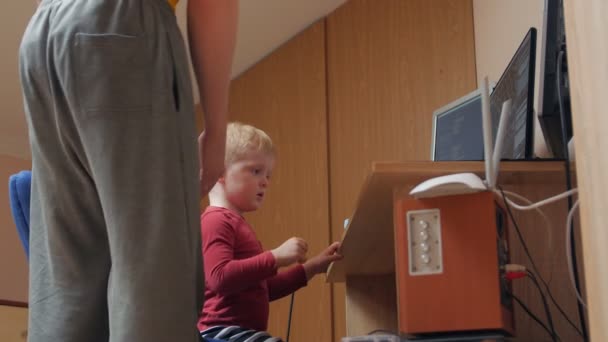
(517, 84)
(554, 44)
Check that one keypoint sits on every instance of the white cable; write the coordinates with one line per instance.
(569, 252)
(540, 203)
(547, 227)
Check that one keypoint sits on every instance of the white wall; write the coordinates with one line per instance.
(500, 26)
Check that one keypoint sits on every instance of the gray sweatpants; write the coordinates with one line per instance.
(115, 239)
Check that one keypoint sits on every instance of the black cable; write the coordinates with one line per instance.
(545, 305)
(562, 114)
(527, 251)
(529, 312)
(289, 319)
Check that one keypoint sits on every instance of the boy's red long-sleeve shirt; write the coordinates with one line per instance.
(240, 277)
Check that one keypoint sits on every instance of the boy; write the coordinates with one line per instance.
(240, 277)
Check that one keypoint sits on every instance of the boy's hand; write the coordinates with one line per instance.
(319, 263)
(292, 250)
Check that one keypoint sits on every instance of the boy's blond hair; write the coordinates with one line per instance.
(242, 139)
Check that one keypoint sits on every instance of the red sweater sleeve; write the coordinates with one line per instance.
(224, 274)
(286, 282)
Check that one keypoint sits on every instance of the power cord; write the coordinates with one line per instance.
(535, 269)
(289, 319)
(548, 229)
(529, 312)
(568, 254)
(514, 271)
(545, 305)
(566, 194)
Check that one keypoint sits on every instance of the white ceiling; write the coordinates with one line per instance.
(266, 24)
(263, 26)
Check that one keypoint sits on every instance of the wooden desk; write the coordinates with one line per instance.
(368, 267)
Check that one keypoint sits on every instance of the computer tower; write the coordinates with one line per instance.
(449, 251)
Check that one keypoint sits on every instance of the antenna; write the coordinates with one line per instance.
(486, 119)
(505, 115)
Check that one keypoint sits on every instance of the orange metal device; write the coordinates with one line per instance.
(468, 293)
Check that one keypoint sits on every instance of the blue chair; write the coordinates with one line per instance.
(19, 188)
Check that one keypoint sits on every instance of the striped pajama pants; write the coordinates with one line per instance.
(237, 334)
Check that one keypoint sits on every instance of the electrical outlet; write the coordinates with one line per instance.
(424, 242)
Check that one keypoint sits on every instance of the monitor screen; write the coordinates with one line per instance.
(457, 131)
(517, 84)
(553, 43)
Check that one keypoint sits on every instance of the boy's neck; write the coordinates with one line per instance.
(217, 199)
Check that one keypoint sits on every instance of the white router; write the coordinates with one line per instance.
(466, 183)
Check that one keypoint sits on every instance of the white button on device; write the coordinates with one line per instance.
(424, 242)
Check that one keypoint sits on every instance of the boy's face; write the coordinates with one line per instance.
(245, 181)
